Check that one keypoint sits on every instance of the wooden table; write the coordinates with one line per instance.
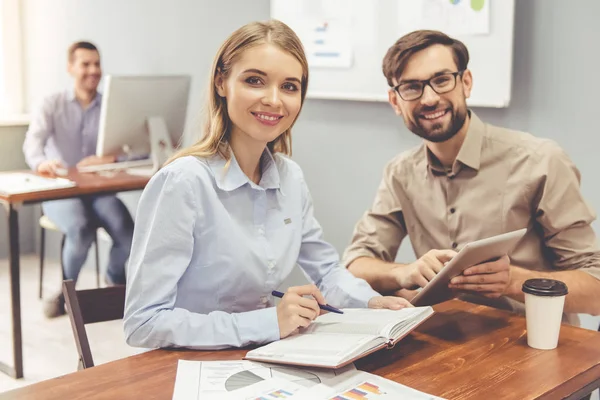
(87, 184)
(464, 351)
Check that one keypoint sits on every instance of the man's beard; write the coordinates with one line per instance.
(437, 133)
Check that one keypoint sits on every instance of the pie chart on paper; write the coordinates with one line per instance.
(249, 377)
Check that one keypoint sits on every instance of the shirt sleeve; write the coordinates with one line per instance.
(39, 130)
(162, 248)
(380, 231)
(563, 214)
(320, 261)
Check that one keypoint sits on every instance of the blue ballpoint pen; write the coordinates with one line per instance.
(321, 306)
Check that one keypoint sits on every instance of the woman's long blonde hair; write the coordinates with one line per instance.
(217, 125)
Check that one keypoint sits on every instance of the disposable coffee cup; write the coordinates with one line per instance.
(544, 303)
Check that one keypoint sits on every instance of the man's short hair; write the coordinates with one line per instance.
(80, 45)
(398, 55)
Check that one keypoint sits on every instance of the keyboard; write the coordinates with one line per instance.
(124, 165)
(141, 171)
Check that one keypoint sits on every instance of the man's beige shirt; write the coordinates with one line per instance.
(502, 180)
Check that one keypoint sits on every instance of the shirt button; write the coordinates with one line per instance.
(261, 231)
(271, 264)
(264, 299)
(452, 210)
(454, 245)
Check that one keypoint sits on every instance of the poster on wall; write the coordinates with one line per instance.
(323, 26)
(453, 17)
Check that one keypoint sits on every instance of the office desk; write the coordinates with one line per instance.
(464, 351)
(87, 184)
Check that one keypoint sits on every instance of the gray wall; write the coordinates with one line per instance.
(341, 145)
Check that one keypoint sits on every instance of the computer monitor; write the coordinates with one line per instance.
(141, 115)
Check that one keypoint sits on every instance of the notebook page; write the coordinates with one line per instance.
(327, 349)
(418, 315)
(363, 321)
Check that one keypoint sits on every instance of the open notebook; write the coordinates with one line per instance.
(335, 340)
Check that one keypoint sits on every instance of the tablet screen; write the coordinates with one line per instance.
(473, 253)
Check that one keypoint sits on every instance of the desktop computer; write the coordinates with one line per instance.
(141, 121)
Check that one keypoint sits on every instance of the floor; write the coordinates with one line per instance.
(48, 345)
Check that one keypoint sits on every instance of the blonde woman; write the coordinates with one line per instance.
(223, 224)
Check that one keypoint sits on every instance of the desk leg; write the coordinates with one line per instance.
(15, 294)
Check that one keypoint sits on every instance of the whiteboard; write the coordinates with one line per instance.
(376, 24)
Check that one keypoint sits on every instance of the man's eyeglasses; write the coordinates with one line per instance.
(413, 90)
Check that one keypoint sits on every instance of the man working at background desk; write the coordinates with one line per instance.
(63, 134)
(468, 181)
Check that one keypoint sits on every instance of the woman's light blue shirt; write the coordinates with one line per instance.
(209, 247)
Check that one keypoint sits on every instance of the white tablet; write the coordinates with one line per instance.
(473, 253)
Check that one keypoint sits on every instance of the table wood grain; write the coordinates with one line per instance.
(464, 351)
(86, 184)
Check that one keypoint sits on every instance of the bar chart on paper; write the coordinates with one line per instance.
(360, 385)
(268, 389)
(277, 394)
(365, 390)
(368, 390)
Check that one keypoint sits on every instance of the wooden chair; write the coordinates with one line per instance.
(89, 306)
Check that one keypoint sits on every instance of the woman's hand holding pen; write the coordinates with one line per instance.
(296, 311)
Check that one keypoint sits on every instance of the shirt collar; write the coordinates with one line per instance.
(270, 174)
(96, 102)
(470, 151)
(229, 176)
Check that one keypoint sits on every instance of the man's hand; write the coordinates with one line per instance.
(95, 160)
(490, 279)
(419, 273)
(49, 167)
(295, 311)
(389, 302)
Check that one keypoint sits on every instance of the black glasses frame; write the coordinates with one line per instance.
(427, 82)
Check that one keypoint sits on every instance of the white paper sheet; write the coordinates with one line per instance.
(269, 389)
(23, 182)
(197, 380)
(359, 384)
